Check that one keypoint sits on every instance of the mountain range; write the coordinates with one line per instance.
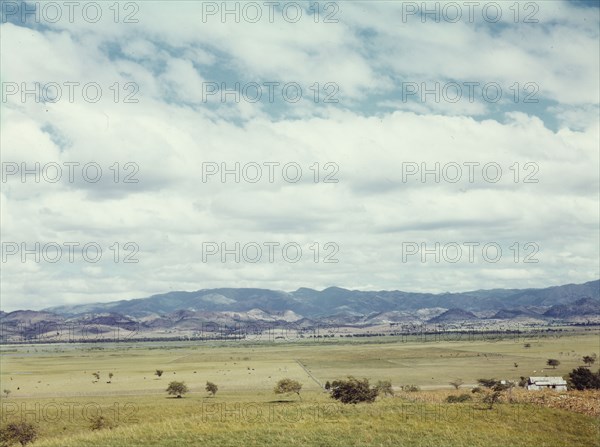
(312, 303)
(188, 311)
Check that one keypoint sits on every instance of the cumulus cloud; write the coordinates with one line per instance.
(176, 157)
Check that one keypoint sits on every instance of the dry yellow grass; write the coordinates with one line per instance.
(583, 402)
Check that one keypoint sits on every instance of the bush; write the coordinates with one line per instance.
(457, 399)
(384, 387)
(503, 386)
(488, 383)
(353, 391)
(477, 389)
(211, 388)
(583, 379)
(177, 388)
(22, 432)
(99, 422)
(287, 386)
(494, 391)
(491, 397)
(410, 388)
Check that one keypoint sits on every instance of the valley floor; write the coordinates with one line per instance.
(53, 386)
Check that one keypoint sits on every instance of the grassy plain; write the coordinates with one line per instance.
(52, 385)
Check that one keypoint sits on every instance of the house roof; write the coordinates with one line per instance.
(547, 380)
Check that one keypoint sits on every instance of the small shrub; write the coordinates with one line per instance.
(458, 399)
(411, 388)
(211, 388)
(288, 386)
(99, 422)
(488, 383)
(384, 387)
(491, 397)
(22, 432)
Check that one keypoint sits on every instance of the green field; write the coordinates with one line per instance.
(52, 385)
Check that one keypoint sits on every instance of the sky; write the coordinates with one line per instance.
(420, 146)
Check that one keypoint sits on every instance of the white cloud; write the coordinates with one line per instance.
(370, 135)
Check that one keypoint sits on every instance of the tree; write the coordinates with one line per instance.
(488, 383)
(583, 379)
(212, 388)
(288, 386)
(159, 372)
(353, 391)
(110, 376)
(456, 383)
(177, 388)
(22, 432)
(553, 363)
(384, 387)
(7, 392)
(328, 385)
(495, 392)
(491, 398)
(589, 360)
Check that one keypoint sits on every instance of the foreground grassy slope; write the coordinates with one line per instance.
(390, 422)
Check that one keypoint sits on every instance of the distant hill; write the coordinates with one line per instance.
(29, 315)
(453, 315)
(582, 307)
(507, 314)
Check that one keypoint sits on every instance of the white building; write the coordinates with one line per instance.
(547, 383)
